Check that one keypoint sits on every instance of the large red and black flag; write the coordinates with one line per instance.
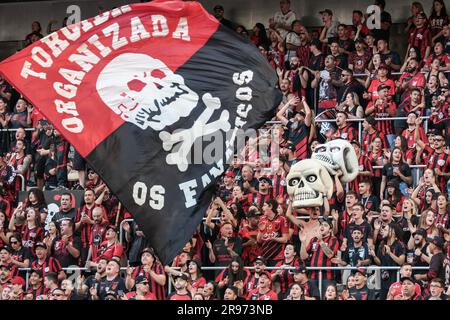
(134, 89)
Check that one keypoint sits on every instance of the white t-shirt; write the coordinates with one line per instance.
(284, 19)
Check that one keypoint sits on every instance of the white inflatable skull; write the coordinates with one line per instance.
(307, 182)
(338, 154)
(144, 91)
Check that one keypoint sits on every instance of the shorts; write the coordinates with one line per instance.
(79, 163)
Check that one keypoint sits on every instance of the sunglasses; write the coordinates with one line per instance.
(14, 242)
(438, 140)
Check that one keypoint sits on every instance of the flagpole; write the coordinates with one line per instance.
(118, 213)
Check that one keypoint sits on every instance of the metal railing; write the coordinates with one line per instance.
(204, 268)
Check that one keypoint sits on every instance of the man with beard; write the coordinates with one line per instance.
(285, 88)
(66, 211)
(66, 247)
(83, 287)
(218, 14)
(360, 290)
(327, 82)
(298, 127)
(418, 249)
(292, 74)
(260, 267)
(97, 233)
(436, 248)
(349, 85)
(180, 284)
(411, 79)
(359, 60)
(395, 290)
(344, 130)
(263, 194)
(142, 291)
(112, 282)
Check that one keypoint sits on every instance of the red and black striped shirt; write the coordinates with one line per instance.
(258, 199)
(286, 278)
(299, 138)
(348, 133)
(86, 228)
(364, 165)
(270, 249)
(318, 258)
(377, 173)
(385, 126)
(49, 265)
(369, 137)
(36, 292)
(158, 290)
(279, 185)
(438, 160)
(32, 236)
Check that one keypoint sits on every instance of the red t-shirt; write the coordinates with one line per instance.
(148, 296)
(373, 88)
(256, 295)
(396, 288)
(108, 252)
(270, 249)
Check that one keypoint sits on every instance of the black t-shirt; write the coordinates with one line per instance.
(388, 171)
(254, 183)
(223, 258)
(353, 86)
(60, 252)
(311, 290)
(365, 227)
(117, 285)
(371, 203)
(362, 294)
(61, 215)
(437, 266)
(353, 254)
(50, 179)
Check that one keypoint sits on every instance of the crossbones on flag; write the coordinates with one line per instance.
(133, 88)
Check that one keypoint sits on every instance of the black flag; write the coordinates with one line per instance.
(138, 93)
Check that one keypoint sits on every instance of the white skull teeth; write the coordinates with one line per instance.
(305, 195)
(324, 158)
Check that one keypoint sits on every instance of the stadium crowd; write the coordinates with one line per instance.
(337, 82)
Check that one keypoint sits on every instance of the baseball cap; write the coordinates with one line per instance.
(183, 276)
(326, 11)
(265, 273)
(149, 250)
(421, 232)
(421, 15)
(265, 178)
(218, 7)
(229, 174)
(383, 86)
(141, 279)
(260, 258)
(40, 244)
(359, 270)
(300, 269)
(437, 241)
(407, 279)
(113, 227)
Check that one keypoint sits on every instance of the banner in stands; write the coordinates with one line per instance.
(134, 89)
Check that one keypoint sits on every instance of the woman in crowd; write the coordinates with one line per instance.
(397, 171)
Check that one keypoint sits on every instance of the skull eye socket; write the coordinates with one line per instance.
(320, 149)
(335, 149)
(158, 73)
(293, 182)
(311, 178)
